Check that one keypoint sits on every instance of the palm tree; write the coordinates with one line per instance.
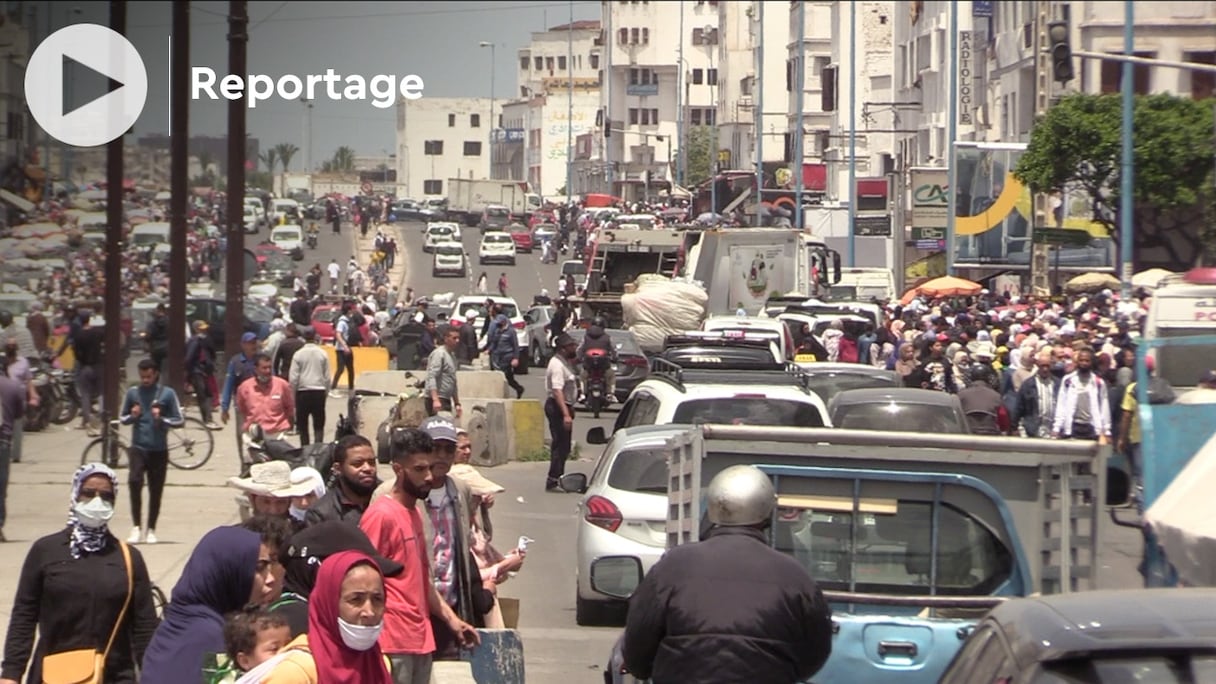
(270, 157)
(286, 151)
(344, 159)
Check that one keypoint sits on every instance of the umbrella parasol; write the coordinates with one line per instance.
(945, 286)
(1150, 279)
(1091, 282)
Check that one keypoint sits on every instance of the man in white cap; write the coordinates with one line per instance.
(269, 489)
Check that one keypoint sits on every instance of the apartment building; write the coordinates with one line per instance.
(559, 99)
(662, 79)
(922, 77)
(742, 27)
(14, 50)
(440, 138)
(826, 55)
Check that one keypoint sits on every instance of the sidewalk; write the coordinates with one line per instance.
(366, 246)
(195, 501)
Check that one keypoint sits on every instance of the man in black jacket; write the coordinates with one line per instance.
(730, 608)
(354, 480)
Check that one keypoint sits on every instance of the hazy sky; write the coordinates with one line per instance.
(438, 41)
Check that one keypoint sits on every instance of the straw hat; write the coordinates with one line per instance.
(478, 485)
(272, 479)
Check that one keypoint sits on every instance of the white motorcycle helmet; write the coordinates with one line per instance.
(739, 496)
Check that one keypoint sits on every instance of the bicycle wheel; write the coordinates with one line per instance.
(93, 453)
(190, 445)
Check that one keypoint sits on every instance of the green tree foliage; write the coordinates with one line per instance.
(699, 152)
(270, 158)
(285, 152)
(1078, 144)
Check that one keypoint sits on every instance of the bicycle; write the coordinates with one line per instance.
(190, 446)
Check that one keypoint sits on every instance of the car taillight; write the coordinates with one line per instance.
(518, 325)
(603, 513)
(636, 361)
(455, 322)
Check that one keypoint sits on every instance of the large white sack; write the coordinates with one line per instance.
(661, 307)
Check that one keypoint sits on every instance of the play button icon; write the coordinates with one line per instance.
(99, 54)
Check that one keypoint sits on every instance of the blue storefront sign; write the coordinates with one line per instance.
(980, 8)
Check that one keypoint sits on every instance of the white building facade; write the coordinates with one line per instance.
(440, 138)
(662, 80)
(742, 27)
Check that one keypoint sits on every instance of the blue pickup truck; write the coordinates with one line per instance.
(912, 537)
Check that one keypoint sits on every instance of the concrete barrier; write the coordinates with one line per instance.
(372, 412)
(481, 384)
(388, 381)
(452, 672)
(520, 421)
(498, 660)
(365, 359)
(526, 427)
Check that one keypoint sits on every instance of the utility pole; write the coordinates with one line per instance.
(1040, 253)
(606, 96)
(113, 264)
(951, 134)
(799, 142)
(179, 188)
(1127, 205)
(234, 314)
(853, 130)
(759, 110)
(680, 147)
(570, 103)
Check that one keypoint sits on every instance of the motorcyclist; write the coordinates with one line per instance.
(597, 338)
(729, 608)
(986, 414)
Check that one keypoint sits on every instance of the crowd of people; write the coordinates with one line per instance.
(334, 578)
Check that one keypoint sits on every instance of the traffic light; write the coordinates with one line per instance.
(1061, 51)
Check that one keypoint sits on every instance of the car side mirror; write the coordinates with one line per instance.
(574, 482)
(616, 576)
(596, 435)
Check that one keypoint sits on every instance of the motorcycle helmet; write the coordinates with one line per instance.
(599, 322)
(6, 318)
(740, 495)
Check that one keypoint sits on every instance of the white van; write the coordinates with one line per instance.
(864, 285)
(1183, 305)
(148, 234)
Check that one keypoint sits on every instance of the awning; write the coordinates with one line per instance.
(16, 200)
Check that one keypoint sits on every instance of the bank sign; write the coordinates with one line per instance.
(930, 198)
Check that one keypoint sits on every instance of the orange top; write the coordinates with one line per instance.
(397, 534)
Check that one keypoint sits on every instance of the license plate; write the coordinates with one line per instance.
(637, 248)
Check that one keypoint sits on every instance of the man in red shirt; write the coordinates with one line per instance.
(394, 525)
(266, 400)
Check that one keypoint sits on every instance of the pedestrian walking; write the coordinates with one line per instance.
(12, 409)
(441, 370)
(151, 410)
(335, 275)
(89, 348)
(482, 283)
(240, 368)
(503, 348)
(347, 336)
(19, 370)
(502, 285)
(309, 378)
(200, 371)
(729, 608)
(561, 390)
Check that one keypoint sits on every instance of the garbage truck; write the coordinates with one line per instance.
(912, 537)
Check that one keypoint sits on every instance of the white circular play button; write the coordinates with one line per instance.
(96, 52)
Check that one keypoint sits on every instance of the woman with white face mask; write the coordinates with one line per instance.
(81, 588)
(345, 615)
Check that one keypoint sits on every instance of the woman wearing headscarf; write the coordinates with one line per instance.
(906, 363)
(345, 616)
(75, 590)
(218, 579)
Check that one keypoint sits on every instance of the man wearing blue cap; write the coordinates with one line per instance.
(240, 368)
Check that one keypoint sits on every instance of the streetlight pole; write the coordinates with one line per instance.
(680, 104)
(569, 103)
(307, 135)
(1126, 203)
(951, 134)
(493, 63)
(713, 129)
(759, 110)
(799, 143)
(852, 133)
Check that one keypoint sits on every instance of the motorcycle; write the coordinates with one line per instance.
(311, 237)
(596, 362)
(38, 417)
(64, 402)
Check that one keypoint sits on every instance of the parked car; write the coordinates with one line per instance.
(496, 246)
(899, 409)
(254, 218)
(274, 264)
(829, 379)
(290, 239)
(522, 237)
(542, 233)
(325, 318)
(1128, 635)
(449, 260)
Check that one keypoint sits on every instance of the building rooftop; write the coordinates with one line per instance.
(581, 25)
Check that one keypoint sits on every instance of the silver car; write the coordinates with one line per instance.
(622, 520)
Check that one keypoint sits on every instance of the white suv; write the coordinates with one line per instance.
(692, 396)
(449, 260)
